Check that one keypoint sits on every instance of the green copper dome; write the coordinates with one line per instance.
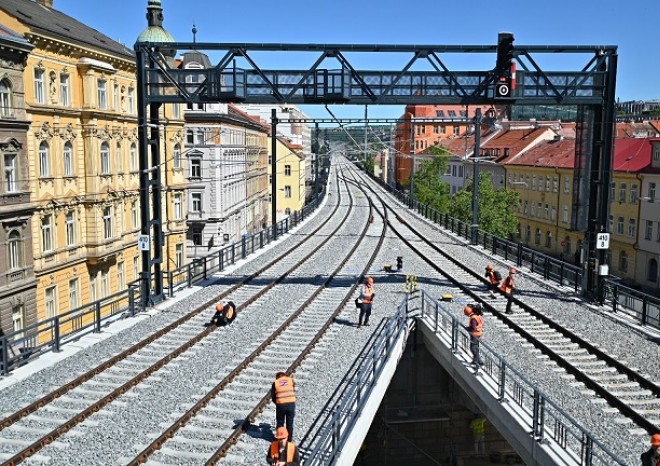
(155, 34)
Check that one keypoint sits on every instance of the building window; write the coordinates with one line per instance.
(567, 185)
(457, 130)
(15, 250)
(74, 296)
(623, 262)
(612, 191)
(200, 138)
(47, 233)
(548, 240)
(619, 226)
(121, 280)
(178, 255)
(178, 211)
(105, 289)
(287, 170)
(287, 191)
(190, 137)
(547, 184)
(648, 234)
(567, 245)
(553, 214)
(287, 211)
(133, 155)
(176, 157)
(196, 202)
(102, 94)
(11, 173)
(528, 233)
(68, 160)
(51, 309)
(197, 235)
(115, 97)
(134, 215)
(119, 158)
(136, 268)
(70, 228)
(533, 183)
(131, 100)
(564, 214)
(547, 211)
(537, 237)
(44, 160)
(18, 319)
(632, 227)
(107, 222)
(443, 129)
(610, 223)
(652, 271)
(176, 111)
(39, 95)
(532, 212)
(196, 168)
(622, 192)
(105, 159)
(555, 184)
(633, 194)
(65, 101)
(651, 191)
(6, 99)
(92, 286)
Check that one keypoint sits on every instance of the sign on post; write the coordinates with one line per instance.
(144, 242)
(602, 241)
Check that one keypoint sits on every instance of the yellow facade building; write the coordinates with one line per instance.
(291, 169)
(82, 144)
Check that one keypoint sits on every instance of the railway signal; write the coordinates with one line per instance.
(505, 71)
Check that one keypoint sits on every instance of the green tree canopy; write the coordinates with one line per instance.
(497, 207)
(429, 187)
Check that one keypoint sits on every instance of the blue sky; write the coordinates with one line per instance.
(630, 25)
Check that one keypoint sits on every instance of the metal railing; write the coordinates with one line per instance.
(640, 306)
(18, 347)
(338, 418)
(539, 415)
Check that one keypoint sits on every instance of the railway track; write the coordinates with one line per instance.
(619, 388)
(30, 429)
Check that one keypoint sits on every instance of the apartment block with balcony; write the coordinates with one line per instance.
(17, 281)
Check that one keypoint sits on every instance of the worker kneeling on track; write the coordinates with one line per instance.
(225, 313)
(282, 452)
(475, 328)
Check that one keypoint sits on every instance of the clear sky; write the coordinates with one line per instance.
(632, 26)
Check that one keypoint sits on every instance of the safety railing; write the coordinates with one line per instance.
(18, 347)
(640, 306)
(540, 416)
(336, 421)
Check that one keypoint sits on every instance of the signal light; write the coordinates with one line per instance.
(504, 51)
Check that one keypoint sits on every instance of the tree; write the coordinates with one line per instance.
(496, 207)
(429, 187)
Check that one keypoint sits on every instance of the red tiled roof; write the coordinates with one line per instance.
(515, 140)
(430, 111)
(643, 129)
(457, 145)
(633, 154)
(559, 153)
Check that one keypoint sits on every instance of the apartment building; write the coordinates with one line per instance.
(290, 171)
(82, 149)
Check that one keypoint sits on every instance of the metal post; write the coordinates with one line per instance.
(412, 158)
(366, 135)
(475, 178)
(317, 155)
(273, 168)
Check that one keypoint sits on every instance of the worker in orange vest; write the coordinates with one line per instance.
(494, 279)
(507, 287)
(283, 394)
(366, 298)
(475, 328)
(282, 452)
(652, 456)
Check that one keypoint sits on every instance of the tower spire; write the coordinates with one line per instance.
(155, 13)
(194, 31)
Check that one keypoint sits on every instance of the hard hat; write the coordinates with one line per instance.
(512, 270)
(220, 306)
(281, 433)
(489, 267)
(370, 281)
(655, 440)
(468, 310)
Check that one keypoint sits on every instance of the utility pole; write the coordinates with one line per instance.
(317, 155)
(475, 178)
(273, 168)
(412, 158)
(366, 135)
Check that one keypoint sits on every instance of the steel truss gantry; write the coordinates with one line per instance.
(591, 88)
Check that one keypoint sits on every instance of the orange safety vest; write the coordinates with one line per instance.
(507, 285)
(477, 330)
(367, 292)
(290, 451)
(491, 277)
(284, 390)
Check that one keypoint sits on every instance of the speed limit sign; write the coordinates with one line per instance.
(602, 241)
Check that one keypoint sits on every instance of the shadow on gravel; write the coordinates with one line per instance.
(348, 323)
(262, 431)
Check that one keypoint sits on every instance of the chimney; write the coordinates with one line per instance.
(46, 3)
